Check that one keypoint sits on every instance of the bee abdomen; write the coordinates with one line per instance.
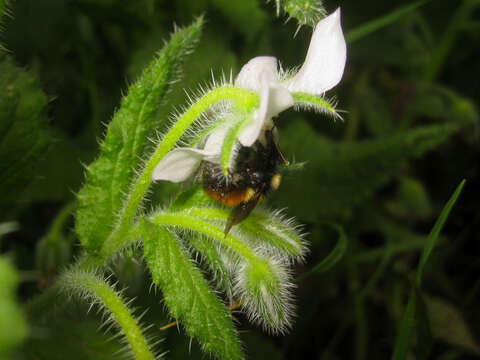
(230, 197)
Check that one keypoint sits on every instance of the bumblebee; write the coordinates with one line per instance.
(254, 177)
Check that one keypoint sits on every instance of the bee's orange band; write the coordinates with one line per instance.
(231, 198)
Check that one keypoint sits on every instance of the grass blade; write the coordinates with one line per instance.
(410, 318)
(378, 23)
(433, 236)
(402, 344)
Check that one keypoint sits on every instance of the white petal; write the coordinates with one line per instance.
(249, 76)
(252, 131)
(280, 99)
(214, 143)
(179, 164)
(325, 60)
(273, 100)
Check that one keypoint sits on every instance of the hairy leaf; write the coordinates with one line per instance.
(23, 132)
(109, 177)
(261, 229)
(263, 284)
(339, 175)
(214, 255)
(187, 294)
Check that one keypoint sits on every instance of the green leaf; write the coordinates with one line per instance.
(109, 177)
(423, 331)
(13, 327)
(433, 236)
(333, 257)
(261, 229)
(341, 175)
(213, 254)
(412, 316)
(23, 132)
(262, 283)
(189, 200)
(402, 343)
(187, 294)
(376, 24)
(268, 232)
(415, 320)
(448, 324)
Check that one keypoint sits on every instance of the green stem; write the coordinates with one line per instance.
(242, 98)
(188, 222)
(95, 287)
(53, 235)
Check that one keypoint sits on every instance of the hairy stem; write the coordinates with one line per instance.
(242, 98)
(87, 284)
(205, 228)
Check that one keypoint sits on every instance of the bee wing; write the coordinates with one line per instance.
(241, 212)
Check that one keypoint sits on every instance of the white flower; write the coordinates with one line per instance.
(322, 70)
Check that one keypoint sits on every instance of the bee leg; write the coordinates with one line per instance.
(284, 159)
(272, 137)
(240, 213)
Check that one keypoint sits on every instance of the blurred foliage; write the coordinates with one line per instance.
(410, 134)
(13, 326)
(24, 134)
